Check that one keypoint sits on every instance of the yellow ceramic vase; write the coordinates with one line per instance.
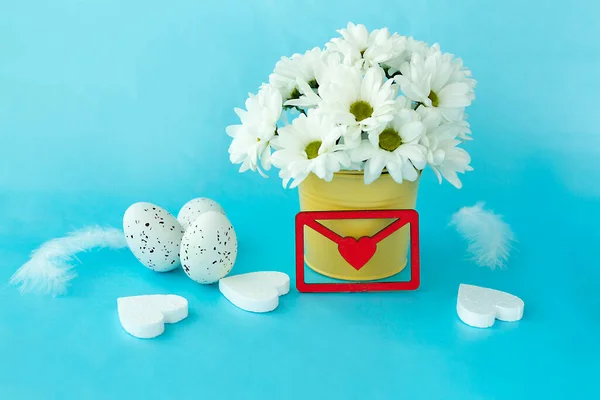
(347, 191)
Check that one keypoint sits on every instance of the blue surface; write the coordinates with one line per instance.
(105, 103)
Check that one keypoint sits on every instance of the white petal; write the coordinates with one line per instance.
(320, 166)
(454, 95)
(409, 172)
(453, 114)
(373, 137)
(412, 131)
(240, 113)
(451, 177)
(395, 170)
(265, 159)
(352, 138)
(414, 93)
(233, 130)
(373, 168)
(431, 117)
(438, 156)
(414, 152)
(437, 173)
(298, 180)
(362, 152)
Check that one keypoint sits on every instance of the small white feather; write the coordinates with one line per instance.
(490, 238)
(49, 269)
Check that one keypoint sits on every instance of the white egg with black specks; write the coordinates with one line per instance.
(194, 208)
(209, 248)
(153, 236)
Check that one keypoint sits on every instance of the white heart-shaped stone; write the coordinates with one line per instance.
(145, 316)
(481, 307)
(255, 291)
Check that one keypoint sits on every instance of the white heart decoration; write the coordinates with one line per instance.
(481, 307)
(255, 291)
(145, 316)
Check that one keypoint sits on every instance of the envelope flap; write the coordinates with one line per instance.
(317, 220)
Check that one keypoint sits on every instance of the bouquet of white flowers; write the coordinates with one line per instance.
(369, 102)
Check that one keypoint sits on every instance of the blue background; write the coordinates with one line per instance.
(107, 102)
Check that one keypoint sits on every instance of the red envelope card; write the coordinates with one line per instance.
(357, 251)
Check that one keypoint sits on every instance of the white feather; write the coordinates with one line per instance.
(490, 238)
(49, 269)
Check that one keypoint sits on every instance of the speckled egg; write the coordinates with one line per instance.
(193, 208)
(153, 235)
(209, 248)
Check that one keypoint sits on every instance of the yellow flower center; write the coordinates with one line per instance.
(295, 94)
(389, 139)
(361, 110)
(312, 150)
(435, 100)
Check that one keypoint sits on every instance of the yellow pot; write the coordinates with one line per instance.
(347, 191)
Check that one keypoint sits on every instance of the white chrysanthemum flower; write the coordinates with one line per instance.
(252, 139)
(308, 145)
(298, 77)
(363, 49)
(443, 154)
(351, 117)
(358, 103)
(438, 80)
(396, 148)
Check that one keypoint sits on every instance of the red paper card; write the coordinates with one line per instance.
(357, 252)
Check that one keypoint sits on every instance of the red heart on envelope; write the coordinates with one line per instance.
(357, 252)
